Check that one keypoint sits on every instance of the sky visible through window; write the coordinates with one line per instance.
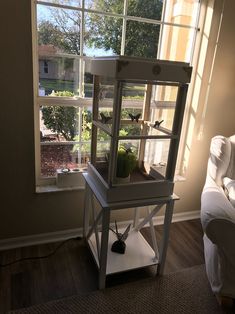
(45, 13)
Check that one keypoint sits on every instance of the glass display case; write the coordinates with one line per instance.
(138, 108)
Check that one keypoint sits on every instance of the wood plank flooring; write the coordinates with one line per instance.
(71, 270)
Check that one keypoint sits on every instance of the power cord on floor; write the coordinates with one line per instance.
(40, 257)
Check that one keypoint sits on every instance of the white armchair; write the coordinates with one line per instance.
(218, 217)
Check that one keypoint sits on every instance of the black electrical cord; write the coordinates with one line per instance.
(39, 257)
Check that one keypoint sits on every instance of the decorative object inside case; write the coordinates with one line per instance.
(138, 108)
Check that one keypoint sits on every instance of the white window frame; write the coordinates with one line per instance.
(80, 100)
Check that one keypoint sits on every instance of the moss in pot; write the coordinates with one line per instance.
(126, 163)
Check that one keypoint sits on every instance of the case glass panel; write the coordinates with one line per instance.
(142, 160)
(163, 104)
(102, 153)
(156, 156)
(106, 101)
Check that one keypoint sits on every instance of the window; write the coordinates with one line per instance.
(68, 34)
(45, 68)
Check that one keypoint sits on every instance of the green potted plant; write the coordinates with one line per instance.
(126, 163)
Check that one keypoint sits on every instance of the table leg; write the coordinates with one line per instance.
(136, 217)
(104, 247)
(166, 232)
(86, 210)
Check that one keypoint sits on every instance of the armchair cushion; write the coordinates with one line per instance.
(229, 186)
(220, 152)
(215, 204)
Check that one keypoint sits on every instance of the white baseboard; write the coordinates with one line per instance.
(42, 238)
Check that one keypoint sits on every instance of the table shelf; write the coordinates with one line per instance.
(138, 253)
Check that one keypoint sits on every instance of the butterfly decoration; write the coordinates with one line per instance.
(135, 118)
(119, 246)
(127, 148)
(157, 124)
(105, 119)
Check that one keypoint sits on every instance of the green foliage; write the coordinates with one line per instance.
(63, 30)
(130, 128)
(141, 38)
(64, 93)
(86, 133)
(86, 124)
(126, 162)
(48, 33)
(59, 34)
(59, 119)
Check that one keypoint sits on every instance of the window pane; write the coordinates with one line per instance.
(114, 6)
(182, 12)
(133, 91)
(102, 153)
(141, 39)
(58, 123)
(58, 126)
(156, 156)
(88, 79)
(59, 29)
(145, 8)
(65, 123)
(58, 76)
(65, 131)
(163, 105)
(164, 93)
(103, 35)
(177, 43)
(106, 101)
(132, 108)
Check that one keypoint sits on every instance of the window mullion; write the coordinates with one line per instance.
(124, 27)
(55, 101)
(60, 6)
(79, 133)
(196, 31)
(160, 35)
(81, 63)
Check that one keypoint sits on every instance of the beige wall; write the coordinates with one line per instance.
(22, 211)
(219, 115)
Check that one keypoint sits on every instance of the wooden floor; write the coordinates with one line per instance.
(71, 270)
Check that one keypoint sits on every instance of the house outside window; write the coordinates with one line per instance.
(67, 34)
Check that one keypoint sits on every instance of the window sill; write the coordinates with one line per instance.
(54, 188)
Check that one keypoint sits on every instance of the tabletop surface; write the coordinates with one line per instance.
(126, 204)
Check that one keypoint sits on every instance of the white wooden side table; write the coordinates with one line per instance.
(138, 252)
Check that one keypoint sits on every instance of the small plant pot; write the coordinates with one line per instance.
(119, 246)
(123, 180)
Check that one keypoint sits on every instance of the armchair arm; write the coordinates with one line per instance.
(214, 204)
(220, 256)
(221, 232)
(218, 222)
